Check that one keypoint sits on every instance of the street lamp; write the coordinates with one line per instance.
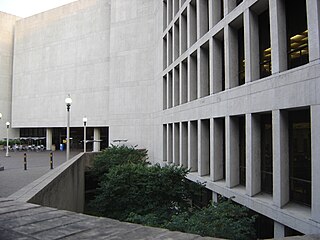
(8, 125)
(84, 133)
(68, 102)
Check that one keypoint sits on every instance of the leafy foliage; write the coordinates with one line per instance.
(143, 190)
(131, 190)
(117, 155)
(223, 220)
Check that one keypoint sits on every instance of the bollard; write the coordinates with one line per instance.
(25, 161)
(51, 160)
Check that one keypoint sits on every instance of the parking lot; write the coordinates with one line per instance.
(15, 177)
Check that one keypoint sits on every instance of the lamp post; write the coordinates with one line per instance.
(8, 125)
(84, 133)
(68, 102)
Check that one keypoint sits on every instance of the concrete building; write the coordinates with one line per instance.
(227, 88)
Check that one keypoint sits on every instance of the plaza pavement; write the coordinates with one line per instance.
(14, 177)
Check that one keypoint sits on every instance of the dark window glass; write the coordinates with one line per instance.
(223, 146)
(242, 151)
(241, 74)
(288, 232)
(264, 226)
(297, 33)
(238, 2)
(266, 153)
(264, 44)
(300, 156)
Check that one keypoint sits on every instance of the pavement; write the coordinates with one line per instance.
(14, 177)
(24, 221)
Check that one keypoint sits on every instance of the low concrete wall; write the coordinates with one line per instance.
(61, 188)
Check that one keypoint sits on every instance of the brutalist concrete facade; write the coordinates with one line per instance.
(232, 96)
(227, 88)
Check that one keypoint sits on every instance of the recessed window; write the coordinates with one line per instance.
(266, 153)
(297, 33)
(264, 44)
(241, 62)
(300, 156)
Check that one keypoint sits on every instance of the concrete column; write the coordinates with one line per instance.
(192, 23)
(231, 57)
(176, 144)
(214, 12)
(170, 47)
(211, 13)
(170, 144)
(315, 162)
(280, 141)
(313, 16)
(251, 46)
(253, 155)
(218, 154)
(165, 142)
(183, 33)
(176, 47)
(183, 82)
(232, 152)
(216, 58)
(193, 146)
(202, 18)
(184, 144)
(278, 36)
(229, 5)
(279, 230)
(169, 11)
(176, 86)
(170, 90)
(96, 136)
(204, 147)
(215, 197)
(203, 71)
(192, 77)
(49, 139)
(211, 157)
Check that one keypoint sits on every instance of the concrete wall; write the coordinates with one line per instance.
(104, 53)
(132, 66)
(61, 51)
(7, 22)
(61, 188)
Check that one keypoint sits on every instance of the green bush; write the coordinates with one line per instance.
(132, 191)
(117, 155)
(224, 220)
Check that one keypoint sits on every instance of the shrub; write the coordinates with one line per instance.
(133, 192)
(117, 155)
(224, 220)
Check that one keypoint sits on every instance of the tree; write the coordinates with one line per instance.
(117, 155)
(133, 191)
(222, 220)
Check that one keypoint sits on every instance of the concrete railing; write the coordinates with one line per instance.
(61, 188)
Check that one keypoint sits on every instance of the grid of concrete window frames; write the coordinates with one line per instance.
(204, 53)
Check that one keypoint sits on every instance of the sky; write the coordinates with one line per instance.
(26, 8)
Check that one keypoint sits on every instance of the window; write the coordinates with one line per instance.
(300, 156)
(241, 61)
(264, 44)
(266, 153)
(297, 33)
(242, 150)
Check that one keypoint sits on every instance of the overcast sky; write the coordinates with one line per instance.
(26, 8)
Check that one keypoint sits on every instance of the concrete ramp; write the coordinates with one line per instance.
(20, 220)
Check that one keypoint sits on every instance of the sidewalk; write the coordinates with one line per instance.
(15, 177)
